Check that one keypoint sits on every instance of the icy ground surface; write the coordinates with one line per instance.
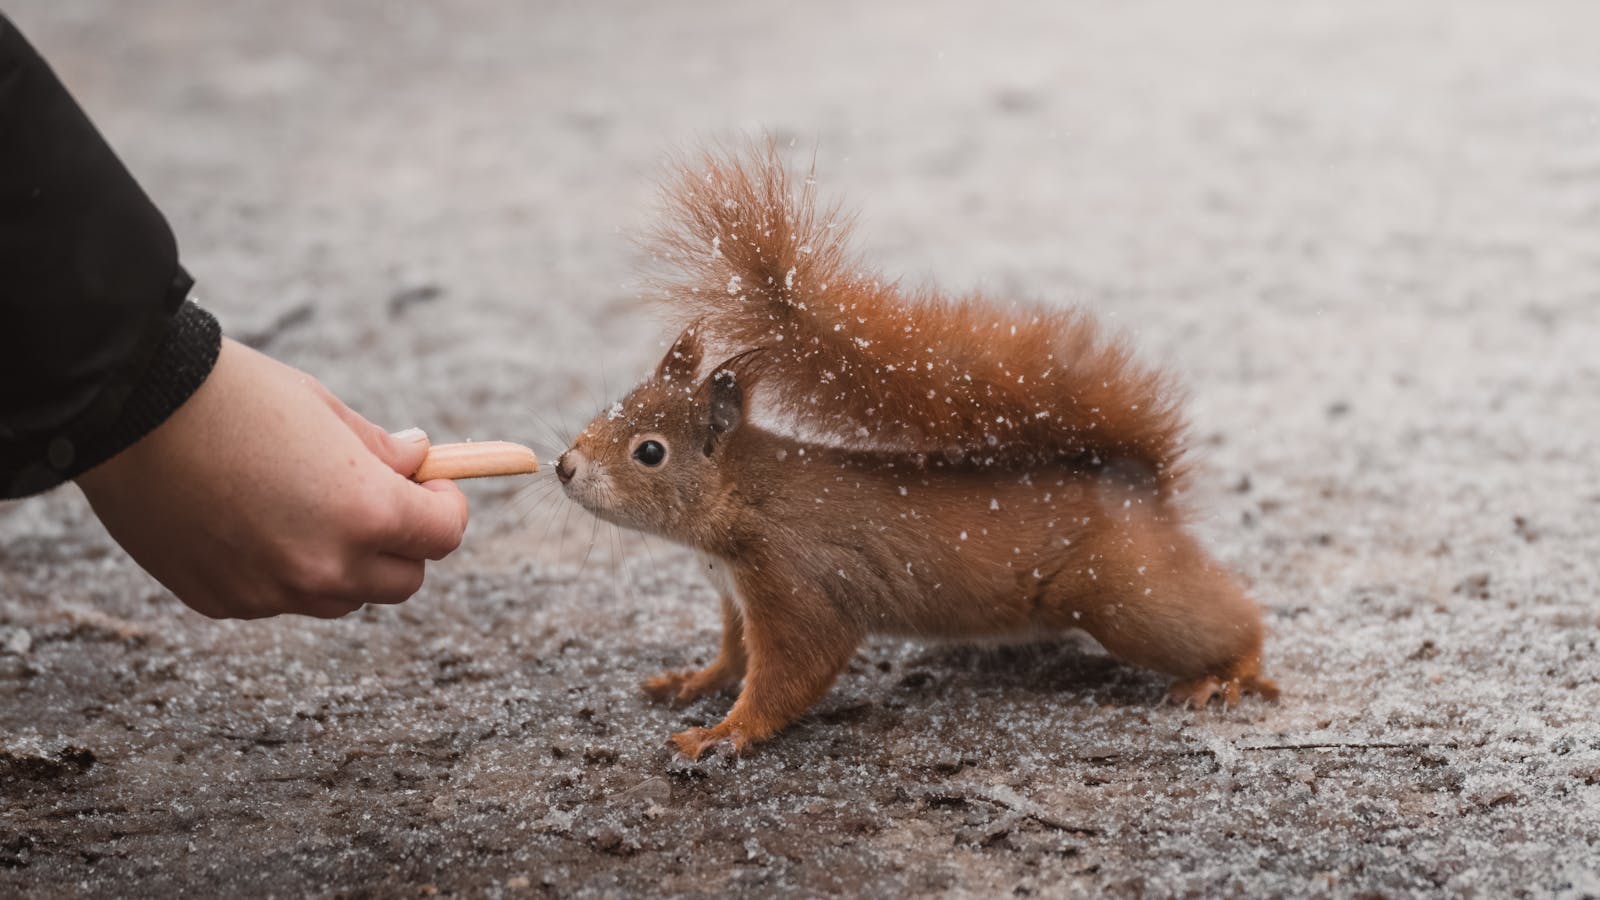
(1366, 234)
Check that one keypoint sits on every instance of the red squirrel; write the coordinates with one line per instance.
(860, 459)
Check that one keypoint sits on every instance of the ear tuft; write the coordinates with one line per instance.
(683, 357)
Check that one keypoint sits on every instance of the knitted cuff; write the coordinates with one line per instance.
(127, 412)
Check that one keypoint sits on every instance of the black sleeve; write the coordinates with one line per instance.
(98, 344)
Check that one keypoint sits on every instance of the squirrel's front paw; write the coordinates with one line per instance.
(685, 686)
(692, 744)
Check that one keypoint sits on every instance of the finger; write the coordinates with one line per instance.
(432, 520)
(327, 607)
(386, 578)
(379, 578)
(402, 451)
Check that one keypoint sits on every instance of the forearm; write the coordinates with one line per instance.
(98, 346)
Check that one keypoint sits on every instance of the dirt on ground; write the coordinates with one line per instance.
(1365, 235)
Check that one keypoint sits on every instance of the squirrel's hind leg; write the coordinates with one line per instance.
(685, 686)
(1211, 643)
(793, 660)
(1154, 598)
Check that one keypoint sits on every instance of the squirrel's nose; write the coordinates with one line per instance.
(564, 469)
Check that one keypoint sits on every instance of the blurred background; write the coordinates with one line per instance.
(1365, 234)
(442, 196)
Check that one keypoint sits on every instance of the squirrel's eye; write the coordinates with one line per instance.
(651, 453)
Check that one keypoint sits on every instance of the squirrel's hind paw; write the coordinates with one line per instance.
(1197, 693)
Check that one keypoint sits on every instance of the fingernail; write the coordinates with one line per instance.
(410, 436)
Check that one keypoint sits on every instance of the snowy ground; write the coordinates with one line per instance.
(1367, 235)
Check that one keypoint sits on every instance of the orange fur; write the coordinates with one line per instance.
(964, 471)
(854, 357)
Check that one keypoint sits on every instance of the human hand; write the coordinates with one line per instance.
(264, 494)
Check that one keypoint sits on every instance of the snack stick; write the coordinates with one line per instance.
(476, 459)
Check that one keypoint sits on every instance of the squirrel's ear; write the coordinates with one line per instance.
(724, 407)
(683, 358)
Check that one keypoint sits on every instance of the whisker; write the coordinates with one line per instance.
(593, 528)
(537, 482)
(538, 503)
(551, 439)
(548, 449)
(526, 499)
(644, 539)
(616, 559)
(558, 444)
(561, 430)
(544, 536)
(561, 548)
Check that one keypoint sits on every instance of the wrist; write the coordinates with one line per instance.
(182, 379)
(125, 411)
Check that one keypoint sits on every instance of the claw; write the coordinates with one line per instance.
(1196, 693)
(671, 687)
(694, 742)
(683, 687)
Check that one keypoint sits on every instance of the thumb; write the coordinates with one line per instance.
(402, 451)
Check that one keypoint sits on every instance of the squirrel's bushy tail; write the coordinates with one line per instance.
(850, 356)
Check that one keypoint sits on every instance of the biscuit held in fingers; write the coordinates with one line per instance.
(263, 495)
(476, 460)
